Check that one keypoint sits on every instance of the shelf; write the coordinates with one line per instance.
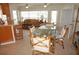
(19, 34)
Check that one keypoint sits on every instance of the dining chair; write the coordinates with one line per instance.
(61, 36)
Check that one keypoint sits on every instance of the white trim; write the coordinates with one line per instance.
(13, 37)
(7, 43)
(13, 33)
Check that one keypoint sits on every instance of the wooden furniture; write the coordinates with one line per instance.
(61, 36)
(44, 41)
(76, 30)
(31, 22)
(6, 34)
(18, 32)
(6, 11)
(76, 25)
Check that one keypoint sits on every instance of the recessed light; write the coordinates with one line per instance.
(27, 6)
(45, 5)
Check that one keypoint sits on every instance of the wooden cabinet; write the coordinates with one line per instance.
(6, 34)
(6, 11)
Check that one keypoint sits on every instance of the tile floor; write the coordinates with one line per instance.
(23, 47)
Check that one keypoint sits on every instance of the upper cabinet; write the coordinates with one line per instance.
(6, 12)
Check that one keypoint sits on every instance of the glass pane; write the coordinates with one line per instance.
(0, 12)
(34, 15)
(15, 17)
(54, 17)
(4, 18)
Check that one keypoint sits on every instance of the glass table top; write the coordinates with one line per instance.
(43, 32)
(41, 40)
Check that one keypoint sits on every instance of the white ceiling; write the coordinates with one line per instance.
(21, 6)
(40, 4)
(30, 4)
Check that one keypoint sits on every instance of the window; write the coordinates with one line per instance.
(53, 17)
(15, 17)
(34, 15)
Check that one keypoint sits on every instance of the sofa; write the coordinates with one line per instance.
(31, 22)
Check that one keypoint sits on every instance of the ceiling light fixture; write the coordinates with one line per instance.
(27, 6)
(45, 5)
